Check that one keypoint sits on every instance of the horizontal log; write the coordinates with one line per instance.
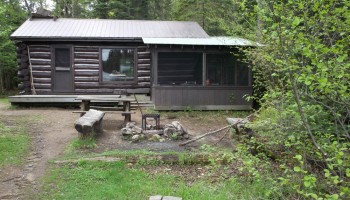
(86, 49)
(144, 79)
(86, 73)
(87, 84)
(144, 84)
(24, 72)
(86, 78)
(87, 66)
(20, 86)
(24, 65)
(41, 74)
(143, 73)
(42, 80)
(86, 61)
(42, 86)
(101, 90)
(41, 67)
(142, 48)
(138, 91)
(144, 55)
(87, 55)
(46, 55)
(43, 91)
(144, 61)
(90, 123)
(22, 46)
(21, 51)
(23, 78)
(19, 74)
(24, 58)
(40, 49)
(40, 61)
(146, 67)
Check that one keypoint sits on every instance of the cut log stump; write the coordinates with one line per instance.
(90, 124)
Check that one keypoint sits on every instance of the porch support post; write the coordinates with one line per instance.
(204, 62)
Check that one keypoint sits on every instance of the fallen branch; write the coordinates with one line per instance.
(222, 137)
(206, 134)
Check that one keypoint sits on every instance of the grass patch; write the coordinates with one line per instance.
(79, 144)
(14, 143)
(100, 180)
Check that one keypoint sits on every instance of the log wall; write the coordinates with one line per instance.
(40, 60)
(86, 71)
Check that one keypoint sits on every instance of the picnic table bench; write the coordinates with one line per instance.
(126, 102)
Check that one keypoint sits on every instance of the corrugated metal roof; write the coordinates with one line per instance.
(64, 28)
(217, 41)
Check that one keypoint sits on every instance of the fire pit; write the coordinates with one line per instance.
(155, 132)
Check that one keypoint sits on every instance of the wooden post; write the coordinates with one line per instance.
(127, 105)
(84, 106)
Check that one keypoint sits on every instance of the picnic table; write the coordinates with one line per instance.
(126, 102)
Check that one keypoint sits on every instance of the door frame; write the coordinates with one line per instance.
(53, 66)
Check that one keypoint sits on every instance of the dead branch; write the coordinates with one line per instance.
(222, 137)
(206, 134)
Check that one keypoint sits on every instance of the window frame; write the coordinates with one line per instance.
(101, 65)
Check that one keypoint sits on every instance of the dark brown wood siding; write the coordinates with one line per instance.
(86, 69)
(40, 62)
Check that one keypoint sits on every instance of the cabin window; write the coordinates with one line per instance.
(117, 64)
(179, 68)
(225, 69)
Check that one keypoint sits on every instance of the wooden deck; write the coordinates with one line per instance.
(70, 100)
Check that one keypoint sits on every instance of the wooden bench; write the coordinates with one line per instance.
(125, 114)
(90, 124)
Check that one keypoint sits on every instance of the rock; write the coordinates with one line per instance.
(161, 140)
(169, 130)
(155, 138)
(180, 129)
(136, 129)
(158, 197)
(130, 124)
(126, 131)
(236, 120)
(186, 136)
(171, 198)
(135, 138)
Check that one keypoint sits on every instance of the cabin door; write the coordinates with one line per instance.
(63, 77)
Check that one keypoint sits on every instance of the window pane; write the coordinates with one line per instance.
(180, 68)
(62, 57)
(118, 64)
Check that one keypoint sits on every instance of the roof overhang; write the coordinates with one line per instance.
(77, 39)
(211, 41)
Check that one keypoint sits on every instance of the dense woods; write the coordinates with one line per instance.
(301, 74)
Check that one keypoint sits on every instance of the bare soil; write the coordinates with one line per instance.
(52, 130)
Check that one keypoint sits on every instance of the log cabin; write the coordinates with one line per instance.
(177, 64)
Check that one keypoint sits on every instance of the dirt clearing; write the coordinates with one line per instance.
(51, 130)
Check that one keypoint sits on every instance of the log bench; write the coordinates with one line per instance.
(125, 114)
(90, 124)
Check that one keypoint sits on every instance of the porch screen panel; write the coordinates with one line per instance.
(180, 68)
(226, 69)
(242, 74)
(117, 64)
